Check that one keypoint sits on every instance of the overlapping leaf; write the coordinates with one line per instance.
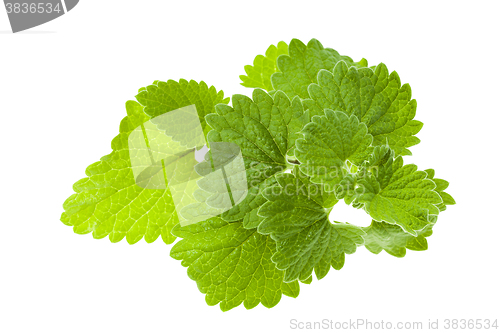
(265, 128)
(108, 201)
(375, 97)
(231, 264)
(300, 68)
(441, 185)
(393, 239)
(296, 216)
(329, 142)
(162, 97)
(397, 193)
(259, 75)
(345, 124)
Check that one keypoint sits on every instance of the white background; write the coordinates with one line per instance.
(63, 87)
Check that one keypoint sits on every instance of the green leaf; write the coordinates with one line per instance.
(296, 216)
(259, 75)
(299, 69)
(162, 97)
(395, 193)
(108, 201)
(341, 126)
(231, 264)
(294, 203)
(248, 208)
(265, 128)
(441, 185)
(329, 141)
(393, 239)
(319, 246)
(375, 97)
(308, 280)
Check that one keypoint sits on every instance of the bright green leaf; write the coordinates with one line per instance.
(108, 201)
(296, 216)
(300, 68)
(441, 185)
(231, 264)
(265, 128)
(375, 97)
(162, 97)
(329, 142)
(259, 75)
(397, 193)
(342, 126)
(248, 208)
(391, 237)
